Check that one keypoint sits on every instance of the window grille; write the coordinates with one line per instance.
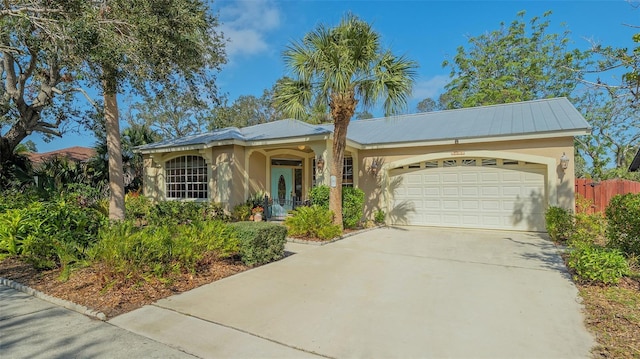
(186, 177)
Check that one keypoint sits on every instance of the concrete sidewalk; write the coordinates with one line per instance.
(388, 293)
(33, 328)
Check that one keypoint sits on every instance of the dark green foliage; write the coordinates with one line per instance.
(53, 233)
(596, 264)
(179, 212)
(319, 196)
(260, 242)
(379, 216)
(352, 206)
(559, 223)
(623, 223)
(314, 221)
(133, 251)
(352, 203)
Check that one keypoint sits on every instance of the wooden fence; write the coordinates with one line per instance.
(600, 193)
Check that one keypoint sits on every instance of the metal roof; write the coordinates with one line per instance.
(515, 119)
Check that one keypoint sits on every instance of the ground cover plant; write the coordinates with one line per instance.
(601, 255)
(64, 245)
(314, 222)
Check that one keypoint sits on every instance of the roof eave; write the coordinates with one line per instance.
(449, 141)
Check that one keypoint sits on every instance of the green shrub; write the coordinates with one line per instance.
(129, 250)
(260, 242)
(352, 203)
(379, 216)
(319, 196)
(313, 221)
(50, 234)
(181, 212)
(623, 223)
(559, 223)
(137, 206)
(589, 228)
(352, 206)
(242, 212)
(596, 264)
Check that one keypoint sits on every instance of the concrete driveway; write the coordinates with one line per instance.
(387, 293)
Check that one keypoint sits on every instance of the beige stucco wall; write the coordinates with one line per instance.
(550, 150)
(230, 182)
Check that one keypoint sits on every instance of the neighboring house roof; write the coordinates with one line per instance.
(531, 119)
(635, 164)
(76, 153)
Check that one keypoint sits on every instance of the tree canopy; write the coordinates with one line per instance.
(337, 68)
(513, 63)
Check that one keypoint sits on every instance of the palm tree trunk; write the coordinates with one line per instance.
(114, 149)
(343, 106)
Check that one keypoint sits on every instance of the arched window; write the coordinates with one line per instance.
(186, 177)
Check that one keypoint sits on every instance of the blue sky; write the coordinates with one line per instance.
(427, 32)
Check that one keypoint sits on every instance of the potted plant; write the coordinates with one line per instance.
(257, 213)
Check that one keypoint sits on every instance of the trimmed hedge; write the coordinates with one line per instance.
(260, 242)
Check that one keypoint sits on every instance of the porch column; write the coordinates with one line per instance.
(247, 157)
(323, 150)
(208, 159)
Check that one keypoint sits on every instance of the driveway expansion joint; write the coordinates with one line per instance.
(242, 331)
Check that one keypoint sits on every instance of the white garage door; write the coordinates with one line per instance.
(470, 192)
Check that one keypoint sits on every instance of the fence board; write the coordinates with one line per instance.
(600, 193)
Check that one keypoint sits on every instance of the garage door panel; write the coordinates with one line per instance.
(469, 191)
(490, 191)
(512, 176)
(450, 191)
(490, 177)
(449, 178)
(470, 204)
(449, 204)
(469, 178)
(474, 196)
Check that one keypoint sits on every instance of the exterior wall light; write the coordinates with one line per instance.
(320, 164)
(374, 167)
(564, 161)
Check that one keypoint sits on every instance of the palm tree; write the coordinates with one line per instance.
(338, 68)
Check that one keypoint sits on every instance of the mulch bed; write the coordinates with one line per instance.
(93, 288)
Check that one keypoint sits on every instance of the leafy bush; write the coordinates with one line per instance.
(379, 216)
(50, 234)
(589, 228)
(352, 206)
(241, 212)
(313, 221)
(260, 242)
(181, 212)
(559, 223)
(319, 196)
(596, 264)
(137, 206)
(623, 223)
(129, 250)
(352, 203)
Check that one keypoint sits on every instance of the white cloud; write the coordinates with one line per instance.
(430, 88)
(245, 24)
